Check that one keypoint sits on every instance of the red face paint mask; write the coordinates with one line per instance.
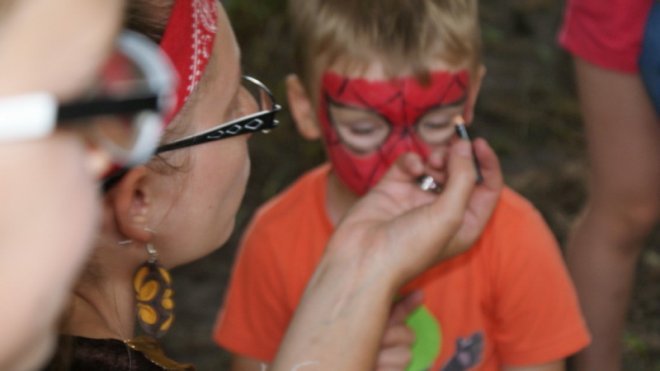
(397, 111)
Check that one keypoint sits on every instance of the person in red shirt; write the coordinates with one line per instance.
(623, 147)
(372, 94)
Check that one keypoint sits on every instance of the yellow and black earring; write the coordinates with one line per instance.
(153, 292)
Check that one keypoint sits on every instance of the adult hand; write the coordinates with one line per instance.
(399, 230)
(483, 200)
(484, 197)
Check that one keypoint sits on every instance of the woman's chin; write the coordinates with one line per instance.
(227, 230)
(203, 247)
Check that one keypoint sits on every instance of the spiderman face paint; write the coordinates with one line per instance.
(368, 124)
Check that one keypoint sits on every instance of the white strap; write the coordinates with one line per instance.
(28, 116)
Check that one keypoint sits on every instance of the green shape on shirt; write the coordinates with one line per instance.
(428, 339)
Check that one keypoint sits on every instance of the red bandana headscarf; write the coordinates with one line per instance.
(188, 42)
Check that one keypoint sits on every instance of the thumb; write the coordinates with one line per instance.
(404, 307)
(452, 203)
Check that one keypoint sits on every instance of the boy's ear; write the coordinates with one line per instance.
(301, 108)
(473, 94)
(131, 204)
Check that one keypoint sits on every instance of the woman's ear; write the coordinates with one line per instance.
(473, 94)
(301, 108)
(131, 205)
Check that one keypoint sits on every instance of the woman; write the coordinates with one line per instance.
(181, 206)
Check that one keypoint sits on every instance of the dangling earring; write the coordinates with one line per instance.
(153, 292)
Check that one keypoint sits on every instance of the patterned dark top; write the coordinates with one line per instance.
(84, 354)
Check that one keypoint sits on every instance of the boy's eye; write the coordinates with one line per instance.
(435, 127)
(364, 128)
(436, 124)
(360, 130)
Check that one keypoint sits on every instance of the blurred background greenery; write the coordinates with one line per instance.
(527, 110)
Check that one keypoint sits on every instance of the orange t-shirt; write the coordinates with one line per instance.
(507, 301)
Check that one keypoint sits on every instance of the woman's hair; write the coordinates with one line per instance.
(148, 17)
(403, 35)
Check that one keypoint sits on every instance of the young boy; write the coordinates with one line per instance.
(377, 78)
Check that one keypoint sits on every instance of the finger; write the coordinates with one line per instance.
(396, 358)
(406, 168)
(404, 307)
(436, 159)
(484, 199)
(436, 165)
(490, 165)
(398, 335)
(452, 203)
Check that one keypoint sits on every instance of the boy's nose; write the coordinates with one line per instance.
(405, 143)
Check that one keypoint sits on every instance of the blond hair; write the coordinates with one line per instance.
(403, 35)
